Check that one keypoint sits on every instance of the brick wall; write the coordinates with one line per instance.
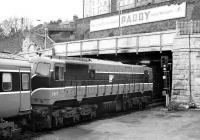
(83, 25)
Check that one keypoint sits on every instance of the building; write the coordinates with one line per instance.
(162, 34)
(63, 31)
(135, 17)
(34, 42)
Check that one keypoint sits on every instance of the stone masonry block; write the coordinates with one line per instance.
(181, 99)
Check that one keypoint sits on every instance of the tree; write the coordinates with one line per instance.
(14, 25)
(2, 35)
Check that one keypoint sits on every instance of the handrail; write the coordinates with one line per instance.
(101, 82)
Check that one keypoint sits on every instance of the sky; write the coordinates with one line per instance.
(41, 10)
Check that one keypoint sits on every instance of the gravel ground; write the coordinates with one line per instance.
(152, 124)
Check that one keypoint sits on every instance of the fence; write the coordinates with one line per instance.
(188, 27)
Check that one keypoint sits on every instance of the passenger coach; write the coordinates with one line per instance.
(15, 92)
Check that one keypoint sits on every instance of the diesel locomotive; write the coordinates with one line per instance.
(63, 90)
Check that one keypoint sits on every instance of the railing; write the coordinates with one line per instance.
(156, 41)
(188, 27)
(102, 82)
(126, 85)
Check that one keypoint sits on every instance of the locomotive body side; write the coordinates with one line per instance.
(77, 81)
(85, 86)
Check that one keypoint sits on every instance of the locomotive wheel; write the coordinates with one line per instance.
(124, 106)
(143, 105)
(93, 115)
(140, 106)
(49, 123)
(54, 122)
(76, 118)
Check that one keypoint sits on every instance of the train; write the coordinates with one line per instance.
(51, 92)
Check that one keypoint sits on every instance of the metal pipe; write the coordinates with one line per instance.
(190, 70)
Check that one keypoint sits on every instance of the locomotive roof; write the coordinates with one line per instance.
(82, 61)
(107, 62)
(56, 60)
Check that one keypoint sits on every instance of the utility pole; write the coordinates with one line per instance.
(83, 8)
(120, 12)
(45, 38)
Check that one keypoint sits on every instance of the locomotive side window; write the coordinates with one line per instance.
(43, 69)
(146, 76)
(6, 81)
(25, 81)
(59, 73)
(92, 74)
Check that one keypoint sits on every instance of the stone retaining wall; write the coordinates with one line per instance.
(186, 47)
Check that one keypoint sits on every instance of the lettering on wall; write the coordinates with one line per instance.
(139, 17)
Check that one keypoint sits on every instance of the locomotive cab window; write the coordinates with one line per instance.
(43, 69)
(6, 81)
(25, 81)
(59, 73)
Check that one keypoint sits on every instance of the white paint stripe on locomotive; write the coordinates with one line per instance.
(15, 92)
(25, 71)
(110, 72)
(6, 70)
(87, 86)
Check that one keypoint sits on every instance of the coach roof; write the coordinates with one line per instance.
(7, 62)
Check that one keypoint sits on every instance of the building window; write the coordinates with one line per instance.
(7, 82)
(25, 81)
(59, 73)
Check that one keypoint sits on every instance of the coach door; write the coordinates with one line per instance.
(25, 91)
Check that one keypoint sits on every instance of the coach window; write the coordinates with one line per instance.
(25, 81)
(7, 82)
(59, 73)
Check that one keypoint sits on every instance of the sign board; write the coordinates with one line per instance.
(139, 17)
(96, 7)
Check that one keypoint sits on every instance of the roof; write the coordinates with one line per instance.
(12, 61)
(11, 44)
